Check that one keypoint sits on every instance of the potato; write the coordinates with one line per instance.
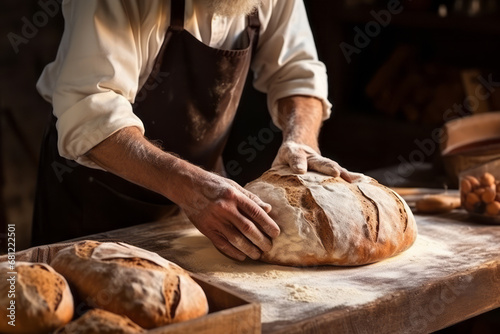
(473, 181)
(488, 195)
(472, 199)
(487, 179)
(493, 208)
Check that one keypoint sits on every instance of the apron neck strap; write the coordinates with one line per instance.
(253, 19)
(177, 8)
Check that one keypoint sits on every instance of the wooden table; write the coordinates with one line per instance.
(450, 274)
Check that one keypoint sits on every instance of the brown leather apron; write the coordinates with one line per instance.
(187, 105)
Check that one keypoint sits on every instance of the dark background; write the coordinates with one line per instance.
(365, 133)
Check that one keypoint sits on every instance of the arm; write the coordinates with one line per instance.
(300, 117)
(91, 90)
(287, 68)
(235, 220)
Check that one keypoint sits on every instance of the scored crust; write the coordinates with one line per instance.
(43, 299)
(50, 287)
(97, 321)
(327, 220)
(130, 281)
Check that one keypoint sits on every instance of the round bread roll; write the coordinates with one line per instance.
(40, 297)
(98, 321)
(131, 281)
(329, 221)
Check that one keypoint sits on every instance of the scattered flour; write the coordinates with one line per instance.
(443, 247)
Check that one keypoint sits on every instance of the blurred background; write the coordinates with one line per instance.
(397, 69)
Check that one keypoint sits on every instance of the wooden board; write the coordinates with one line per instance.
(450, 274)
(228, 313)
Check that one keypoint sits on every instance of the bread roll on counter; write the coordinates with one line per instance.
(98, 321)
(41, 297)
(131, 281)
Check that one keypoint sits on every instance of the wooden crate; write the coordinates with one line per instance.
(228, 312)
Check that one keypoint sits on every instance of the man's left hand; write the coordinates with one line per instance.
(302, 158)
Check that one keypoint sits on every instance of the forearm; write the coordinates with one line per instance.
(233, 218)
(128, 154)
(300, 117)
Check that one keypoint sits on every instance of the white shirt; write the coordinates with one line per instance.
(108, 49)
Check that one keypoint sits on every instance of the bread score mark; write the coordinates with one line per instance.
(171, 287)
(369, 208)
(402, 211)
(374, 228)
(300, 197)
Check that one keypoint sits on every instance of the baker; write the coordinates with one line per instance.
(143, 96)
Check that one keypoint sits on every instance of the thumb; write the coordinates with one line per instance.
(298, 163)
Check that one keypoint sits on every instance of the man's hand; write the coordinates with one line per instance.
(300, 118)
(301, 158)
(234, 219)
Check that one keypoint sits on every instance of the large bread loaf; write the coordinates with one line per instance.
(326, 220)
(130, 281)
(40, 297)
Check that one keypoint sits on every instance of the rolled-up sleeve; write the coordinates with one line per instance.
(286, 61)
(95, 76)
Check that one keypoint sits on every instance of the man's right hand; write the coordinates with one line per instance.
(234, 219)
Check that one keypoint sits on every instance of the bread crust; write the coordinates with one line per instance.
(43, 300)
(329, 221)
(97, 321)
(130, 281)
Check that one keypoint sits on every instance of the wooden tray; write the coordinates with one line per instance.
(228, 312)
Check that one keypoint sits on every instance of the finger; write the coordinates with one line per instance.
(226, 248)
(298, 162)
(325, 166)
(257, 215)
(346, 175)
(358, 177)
(266, 206)
(252, 233)
(240, 242)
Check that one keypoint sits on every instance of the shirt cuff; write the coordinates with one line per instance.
(90, 121)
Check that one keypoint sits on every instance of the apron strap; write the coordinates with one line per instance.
(254, 24)
(177, 8)
(253, 19)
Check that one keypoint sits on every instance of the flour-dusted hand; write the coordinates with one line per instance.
(300, 117)
(302, 158)
(234, 219)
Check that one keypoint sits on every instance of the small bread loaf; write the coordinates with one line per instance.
(98, 321)
(131, 281)
(437, 203)
(35, 300)
(326, 220)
